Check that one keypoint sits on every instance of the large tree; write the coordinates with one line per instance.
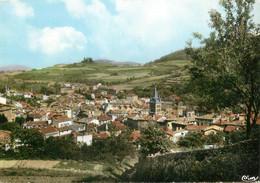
(154, 140)
(226, 67)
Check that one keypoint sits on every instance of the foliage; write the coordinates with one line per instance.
(191, 140)
(49, 101)
(177, 55)
(3, 119)
(10, 126)
(114, 148)
(30, 143)
(20, 120)
(154, 140)
(224, 164)
(226, 67)
(87, 60)
(61, 148)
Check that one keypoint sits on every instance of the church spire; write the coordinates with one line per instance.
(156, 98)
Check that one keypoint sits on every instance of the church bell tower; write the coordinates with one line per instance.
(155, 103)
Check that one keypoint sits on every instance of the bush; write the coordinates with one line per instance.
(224, 164)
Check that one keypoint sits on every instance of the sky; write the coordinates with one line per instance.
(42, 33)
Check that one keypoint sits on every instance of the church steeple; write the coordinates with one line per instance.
(156, 97)
(155, 103)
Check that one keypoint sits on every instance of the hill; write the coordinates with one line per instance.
(177, 55)
(162, 71)
(104, 61)
(11, 68)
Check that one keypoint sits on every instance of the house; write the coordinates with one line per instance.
(207, 120)
(175, 98)
(35, 117)
(178, 134)
(3, 100)
(139, 123)
(112, 91)
(176, 125)
(85, 139)
(38, 96)
(61, 121)
(212, 130)
(78, 127)
(195, 128)
(103, 118)
(131, 97)
(34, 124)
(91, 128)
(231, 128)
(8, 112)
(49, 131)
(27, 95)
(117, 126)
(64, 130)
(114, 113)
(188, 112)
(101, 136)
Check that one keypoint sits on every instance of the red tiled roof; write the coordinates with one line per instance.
(168, 106)
(36, 123)
(92, 124)
(195, 127)
(119, 118)
(64, 128)
(230, 128)
(104, 117)
(131, 116)
(169, 132)
(116, 125)
(175, 96)
(221, 122)
(35, 115)
(148, 118)
(156, 117)
(145, 106)
(48, 129)
(101, 135)
(175, 112)
(131, 94)
(115, 111)
(62, 118)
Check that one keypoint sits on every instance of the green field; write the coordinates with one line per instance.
(125, 77)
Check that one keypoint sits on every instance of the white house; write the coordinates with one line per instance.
(85, 139)
(65, 130)
(61, 121)
(178, 134)
(2, 100)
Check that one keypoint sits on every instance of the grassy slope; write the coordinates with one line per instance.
(124, 77)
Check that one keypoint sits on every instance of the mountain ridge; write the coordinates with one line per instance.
(11, 68)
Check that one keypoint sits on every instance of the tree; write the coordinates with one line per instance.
(226, 66)
(191, 140)
(31, 143)
(87, 60)
(10, 126)
(113, 149)
(3, 119)
(61, 148)
(20, 120)
(154, 140)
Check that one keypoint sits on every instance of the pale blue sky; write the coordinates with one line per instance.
(47, 32)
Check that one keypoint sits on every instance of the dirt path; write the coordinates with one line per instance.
(42, 164)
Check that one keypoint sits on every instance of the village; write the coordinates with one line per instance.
(90, 113)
